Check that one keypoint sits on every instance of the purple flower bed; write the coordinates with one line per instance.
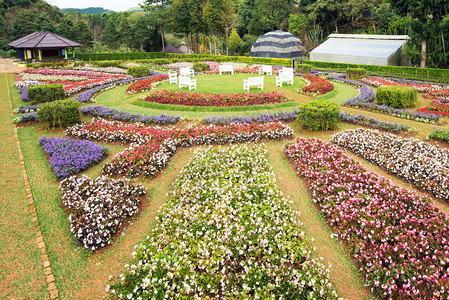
(23, 93)
(31, 117)
(26, 109)
(68, 156)
(106, 112)
(286, 116)
(373, 122)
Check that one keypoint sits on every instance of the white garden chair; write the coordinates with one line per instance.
(173, 77)
(285, 75)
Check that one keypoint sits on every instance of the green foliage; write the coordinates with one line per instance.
(139, 71)
(441, 75)
(107, 63)
(396, 96)
(62, 113)
(200, 67)
(160, 61)
(224, 58)
(318, 115)
(355, 73)
(118, 56)
(439, 134)
(234, 41)
(303, 68)
(45, 93)
(49, 64)
(11, 53)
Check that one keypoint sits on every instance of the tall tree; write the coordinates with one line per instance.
(25, 23)
(158, 12)
(110, 36)
(126, 34)
(84, 35)
(65, 28)
(44, 23)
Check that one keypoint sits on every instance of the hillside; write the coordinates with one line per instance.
(89, 10)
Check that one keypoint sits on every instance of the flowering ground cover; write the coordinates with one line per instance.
(315, 85)
(419, 85)
(26, 109)
(285, 116)
(439, 134)
(226, 232)
(144, 85)
(399, 239)
(153, 146)
(97, 208)
(68, 156)
(440, 95)
(373, 122)
(25, 118)
(110, 113)
(437, 107)
(210, 99)
(421, 163)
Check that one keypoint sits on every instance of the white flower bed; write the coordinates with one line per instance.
(226, 232)
(98, 207)
(178, 65)
(40, 77)
(423, 164)
(110, 70)
(21, 84)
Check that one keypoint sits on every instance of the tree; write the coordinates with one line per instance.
(158, 11)
(327, 11)
(44, 23)
(25, 23)
(110, 36)
(234, 41)
(126, 34)
(65, 28)
(84, 35)
(146, 35)
(228, 20)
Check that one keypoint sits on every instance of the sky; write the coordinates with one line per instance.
(116, 5)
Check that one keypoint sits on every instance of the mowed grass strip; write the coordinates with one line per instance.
(344, 275)
(21, 270)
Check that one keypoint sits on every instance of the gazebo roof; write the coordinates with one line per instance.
(43, 40)
(278, 44)
(172, 49)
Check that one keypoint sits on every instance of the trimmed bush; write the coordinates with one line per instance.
(201, 67)
(160, 61)
(355, 73)
(139, 71)
(119, 56)
(318, 115)
(45, 93)
(107, 63)
(63, 113)
(303, 68)
(396, 96)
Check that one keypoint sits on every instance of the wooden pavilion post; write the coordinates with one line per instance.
(40, 53)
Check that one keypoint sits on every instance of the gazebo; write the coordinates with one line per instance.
(278, 44)
(42, 46)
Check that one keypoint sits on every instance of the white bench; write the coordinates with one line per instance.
(257, 81)
(172, 77)
(285, 75)
(186, 81)
(226, 68)
(265, 69)
(186, 72)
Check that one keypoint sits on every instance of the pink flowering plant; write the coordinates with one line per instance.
(315, 85)
(226, 232)
(400, 240)
(420, 163)
(211, 99)
(146, 84)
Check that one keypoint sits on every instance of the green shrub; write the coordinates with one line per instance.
(439, 134)
(201, 67)
(62, 113)
(139, 71)
(161, 61)
(107, 63)
(318, 115)
(355, 73)
(45, 93)
(396, 96)
(79, 64)
(119, 56)
(303, 68)
(11, 53)
(49, 64)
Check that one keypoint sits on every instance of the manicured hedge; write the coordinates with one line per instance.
(45, 93)
(62, 113)
(441, 75)
(139, 71)
(303, 68)
(107, 63)
(223, 58)
(396, 96)
(355, 73)
(318, 115)
(119, 56)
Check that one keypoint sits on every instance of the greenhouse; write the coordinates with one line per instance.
(278, 44)
(383, 50)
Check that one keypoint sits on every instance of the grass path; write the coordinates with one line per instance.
(21, 271)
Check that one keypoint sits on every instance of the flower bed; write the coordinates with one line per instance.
(97, 208)
(399, 239)
(153, 146)
(226, 232)
(68, 157)
(209, 99)
(440, 95)
(437, 107)
(145, 85)
(423, 164)
(373, 122)
(439, 134)
(285, 116)
(25, 118)
(315, 86)
(111, 70)
(110, 113)
(420, 86)
(26, 109)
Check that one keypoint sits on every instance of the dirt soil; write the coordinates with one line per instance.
(6, 66)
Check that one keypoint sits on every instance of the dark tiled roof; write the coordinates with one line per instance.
(172, 49)
(43, 40)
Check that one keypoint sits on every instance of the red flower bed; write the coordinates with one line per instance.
(144, 85)
(317, 86)
(208, 99)
(438, 94)
(436, 107)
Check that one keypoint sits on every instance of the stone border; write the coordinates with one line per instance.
(39, 238)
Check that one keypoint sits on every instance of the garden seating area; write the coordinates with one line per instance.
(285, 75)
(253, 81)
(265, 69)
(225, 68)
(186, 81)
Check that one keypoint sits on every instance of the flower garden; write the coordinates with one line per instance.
(161, 192)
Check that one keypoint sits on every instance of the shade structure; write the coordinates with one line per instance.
(278, 44)
(172, 49)
(45, 39)
(365, 49)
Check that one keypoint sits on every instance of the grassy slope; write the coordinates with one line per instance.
(21, 271)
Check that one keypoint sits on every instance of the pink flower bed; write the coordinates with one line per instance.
(421, 87)
(316, 86)
(400, 240)
(145, 85)
(153, 146)
(212, 64)
(209, 99)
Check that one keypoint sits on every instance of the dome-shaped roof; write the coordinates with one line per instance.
(278, 44)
